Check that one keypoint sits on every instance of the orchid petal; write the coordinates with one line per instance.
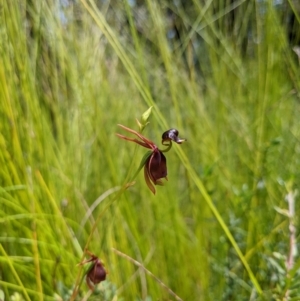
(147, 179)
(133, 140)
(149, 143)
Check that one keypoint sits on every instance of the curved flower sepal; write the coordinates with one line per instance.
(155, 169)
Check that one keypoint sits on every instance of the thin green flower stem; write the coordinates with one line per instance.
(124, 187)
(168, 148)
(116, 197)
(80, 279)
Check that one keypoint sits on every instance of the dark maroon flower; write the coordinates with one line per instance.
(155, 169)
(96, 272)
(155, 166)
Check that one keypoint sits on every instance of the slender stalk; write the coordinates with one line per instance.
(124, 187)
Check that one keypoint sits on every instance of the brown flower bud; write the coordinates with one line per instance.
(96, 273)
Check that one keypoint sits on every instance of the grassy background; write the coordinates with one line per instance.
(71, 71)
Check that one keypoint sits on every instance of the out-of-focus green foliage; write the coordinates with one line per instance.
(224, 73)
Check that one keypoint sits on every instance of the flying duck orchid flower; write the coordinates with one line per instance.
(154, 162)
